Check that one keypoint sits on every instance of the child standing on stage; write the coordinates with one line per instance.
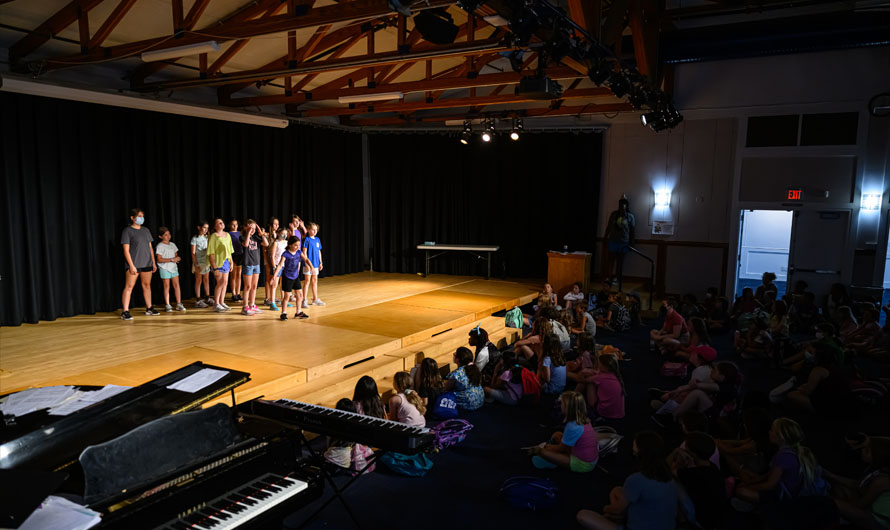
(312, 252)
(276, 250)
(269, 262)
(136, 241)
(168, 259)
(252, 238)
(219, 252)
(201, 265)
(237, 258)
(289, 267)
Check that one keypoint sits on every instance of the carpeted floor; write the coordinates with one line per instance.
(462, 489)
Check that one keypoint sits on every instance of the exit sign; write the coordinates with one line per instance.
(794, 194)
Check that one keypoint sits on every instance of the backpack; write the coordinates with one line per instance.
(530, 493)
(607, 440)
(513, 318)
(565, 340)
(408, 465)
(450, 432)
(672, 369)
(531, 387)
(445, 406)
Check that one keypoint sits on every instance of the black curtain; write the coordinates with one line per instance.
(71, 172)
(528, 196)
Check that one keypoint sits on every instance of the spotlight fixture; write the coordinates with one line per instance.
(467, 134)
(486, 137)
(601, 70)
(488, 134)
(436, 26)
(638, 96)
(517, 128)
(619, 83)
(523, 25)
(663, 116)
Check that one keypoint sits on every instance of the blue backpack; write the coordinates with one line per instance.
(451, 432)
(445, 406)
(408, 465)
(530, 493)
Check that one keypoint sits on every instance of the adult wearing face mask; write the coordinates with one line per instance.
(140, 256)
(620, 235)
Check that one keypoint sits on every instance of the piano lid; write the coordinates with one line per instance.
(49, 443)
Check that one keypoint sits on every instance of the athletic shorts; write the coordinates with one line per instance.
(313, 271)
(288, 285)
(226, 267)
(204, 268)
(165, 275)
(250, 270)
(618, 248)
(237, 259)
(144, 269)
(580, 466)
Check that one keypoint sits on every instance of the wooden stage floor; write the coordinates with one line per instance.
(368, 315)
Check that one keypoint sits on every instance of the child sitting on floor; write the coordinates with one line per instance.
(428, 381)
(575, 447)
(465, 381)
(406, 406)
(586, 349)
(367, 399)
(506, 383)
(346, 454)
(604, 388)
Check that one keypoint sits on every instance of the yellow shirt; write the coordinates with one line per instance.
(220, 248)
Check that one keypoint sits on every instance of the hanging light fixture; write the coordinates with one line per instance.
(467, 134)
(517, 128)
(488, 134)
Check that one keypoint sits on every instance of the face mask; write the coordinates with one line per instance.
(820, 335)
(140, 220)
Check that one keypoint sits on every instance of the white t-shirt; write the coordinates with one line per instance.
(280, 247)
(167, 251)
(571, 297)
(482, 358)
(200, 243)
(702, 374)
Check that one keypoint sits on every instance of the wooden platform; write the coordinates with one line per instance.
(373, 323)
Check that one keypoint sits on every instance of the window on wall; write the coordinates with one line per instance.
(772, 131)
(838, 128)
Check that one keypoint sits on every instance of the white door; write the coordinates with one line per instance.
(764, 243)
(818, 241)
(887, 268)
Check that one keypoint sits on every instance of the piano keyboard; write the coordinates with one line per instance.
(240, 506)
(376, 432)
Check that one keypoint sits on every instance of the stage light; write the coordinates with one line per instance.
(523, 25)
(180, 51)
(488, 133)
(467, 133)
(871, 202)
(436, 26)
(601, 70)
(662, 198)
(619, 83)
(486, 136)
(649, 117)
(638, 96)
(517, 128)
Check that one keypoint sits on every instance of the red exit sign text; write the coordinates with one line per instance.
(794, 194)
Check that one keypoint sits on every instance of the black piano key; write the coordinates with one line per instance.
(179, 525)
(268, 486)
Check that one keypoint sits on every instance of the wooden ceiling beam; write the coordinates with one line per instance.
(319, 16)
(110, 23)
(178, 16)
(226, 56)
(645, 20)
(446, 103)
(615, 22)
(52, 26)
(578, 110)
(197, 9)
(83, 29)
(450, 83)
(309, 48)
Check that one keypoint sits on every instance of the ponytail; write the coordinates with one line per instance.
(808, 465)
(401, 381)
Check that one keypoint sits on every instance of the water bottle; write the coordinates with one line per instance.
(565, 249)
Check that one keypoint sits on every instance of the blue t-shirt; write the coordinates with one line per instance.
(652, 505)
(557, 382)
(313, 250)
(236, 242)
(468, 397)
(291, 269)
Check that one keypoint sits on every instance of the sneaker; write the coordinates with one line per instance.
(236, 298)
(283, 316)
(226, 307)
(126, 316)
(267, 302)
(168, 308)
(301, 315)
(273, 307)
(201, 303)
(305, 304)
(210, 301)
(290, 304)
(246, 311)
(152, 312)
(318, 302)
(180, 307)
(256, 309)
(219, 308)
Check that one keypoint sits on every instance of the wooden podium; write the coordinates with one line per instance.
(565, 269)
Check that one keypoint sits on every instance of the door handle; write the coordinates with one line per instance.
(814, 271)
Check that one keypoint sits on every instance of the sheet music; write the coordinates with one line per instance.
(32, 399)
(83, 399)
(198, 380)
(56, 513)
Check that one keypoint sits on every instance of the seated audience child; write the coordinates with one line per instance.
(699, 343)
(866, 335)
(827, 389)
(793, 470)
(712, 396)
(546, 298)
(366, 398)
(688, 306)
(428, 381)
(717, 318)
(478, 338)
(745, 306)
(575, 447)
(695, 421)
(649, 498)
(749, 455)
(573, 296)
(700, 479)
(529, 348)
(825, 336)
(615, 317)
(406, 406)
(346, 454)
(866, 503)
(465, 381)
(604, 388)
(585, 350)
(779, 327)
(846, 323)
(836, 298)
(767, 286)
(582, 321)
(804, 313)
(674, 332)
(552, 366)
(756, 343)
(506, 381)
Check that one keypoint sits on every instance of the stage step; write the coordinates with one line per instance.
(445, 342)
